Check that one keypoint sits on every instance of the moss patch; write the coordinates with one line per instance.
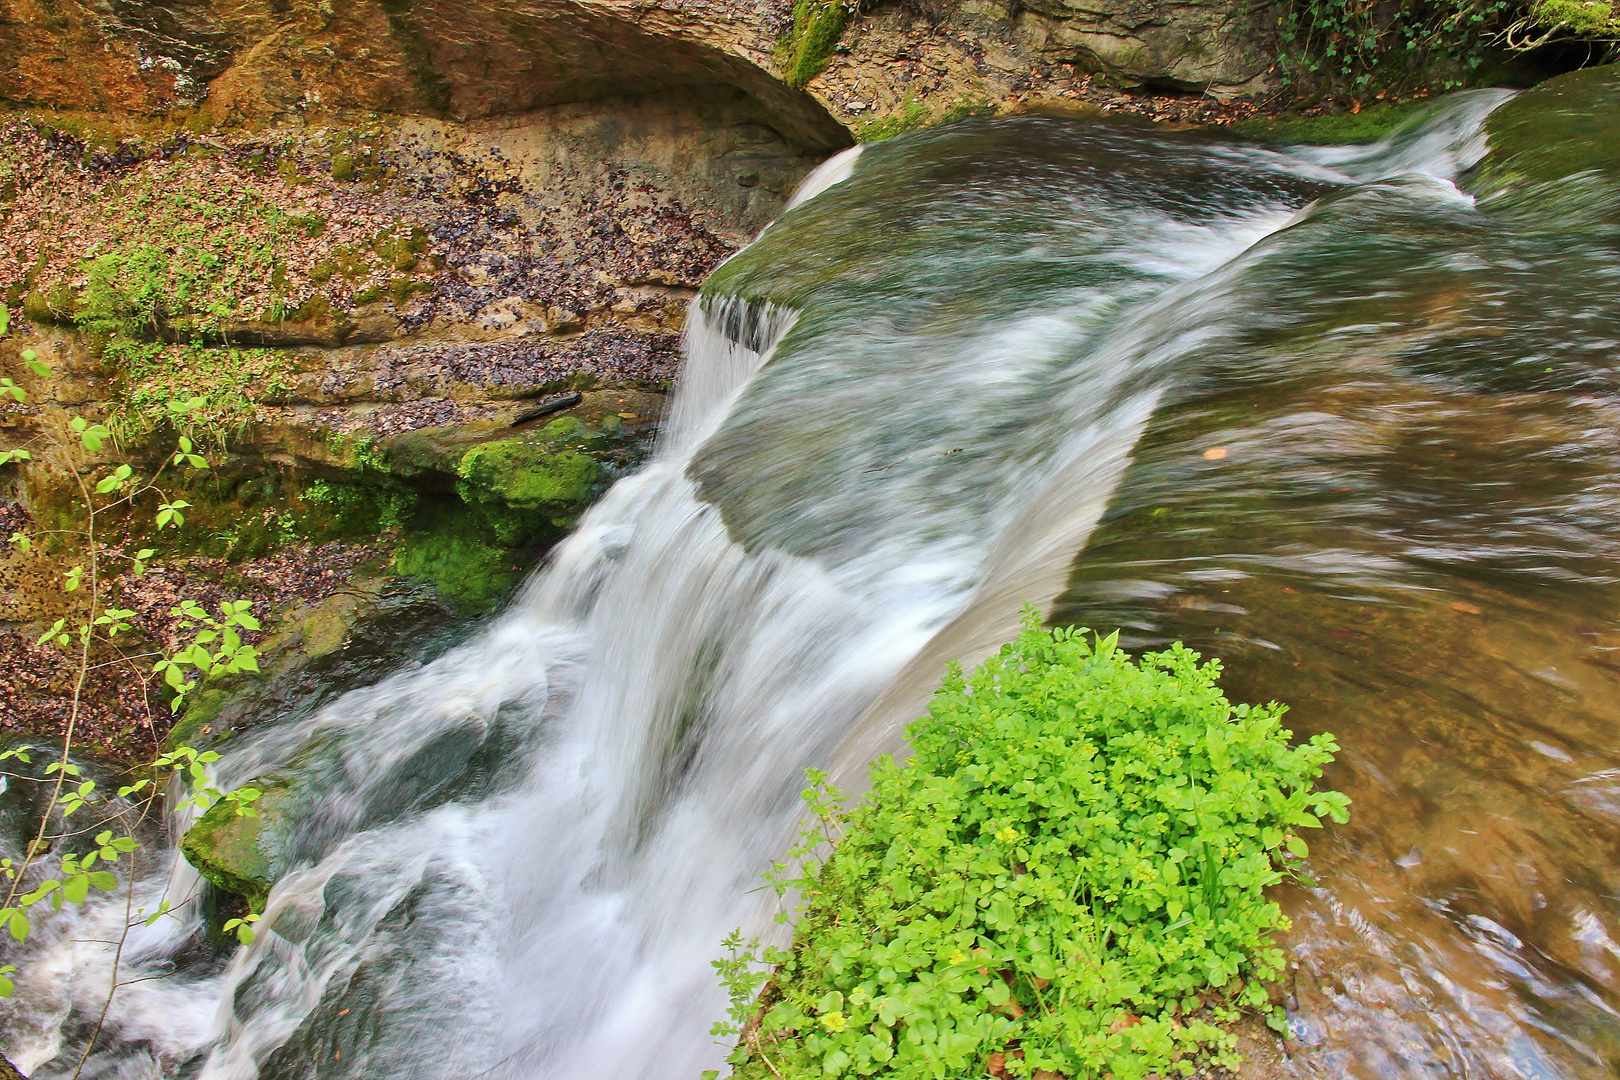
(527, 476)
(914, 116)
(549, 471)
(806, 49)
(241, 855)
(1333, 129)
(1583, 18)
(1566, 125)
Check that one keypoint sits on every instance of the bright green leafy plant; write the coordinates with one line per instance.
(1069, 874)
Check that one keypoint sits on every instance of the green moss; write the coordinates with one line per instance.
(202, 709)
(514, 496)
(1584, 18)
(913, 115)
(806, 49)
(242, 855)
(1332, 129)
(533, 474)
(36, 309)
(342, 167)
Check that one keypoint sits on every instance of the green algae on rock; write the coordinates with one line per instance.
(534, 473)
(243, 855)
(1565, 126)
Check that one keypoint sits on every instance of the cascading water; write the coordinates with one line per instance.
(904, 411)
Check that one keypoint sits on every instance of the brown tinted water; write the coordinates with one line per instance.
(1397, 508)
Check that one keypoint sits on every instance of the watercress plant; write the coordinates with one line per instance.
(1072, 865)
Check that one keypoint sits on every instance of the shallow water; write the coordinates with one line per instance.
(905, 409)
(1393, 501)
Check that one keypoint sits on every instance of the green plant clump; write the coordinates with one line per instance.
(227, 382)
(1362, 47)
(1072, 865)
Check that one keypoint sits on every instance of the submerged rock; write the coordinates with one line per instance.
(330, 788)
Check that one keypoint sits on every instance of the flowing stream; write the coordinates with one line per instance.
(1316, 411)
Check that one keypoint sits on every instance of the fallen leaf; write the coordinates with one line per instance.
(1458, 605)
(1215, 453)
(1129, 1020)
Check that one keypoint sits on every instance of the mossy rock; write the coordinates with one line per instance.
(535, 473)
(244, 855)
(1567, 125)
(247, 855)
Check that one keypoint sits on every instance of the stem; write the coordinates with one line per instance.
(118, 957)
(78, 693)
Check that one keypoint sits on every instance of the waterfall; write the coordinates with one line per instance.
(887, 438)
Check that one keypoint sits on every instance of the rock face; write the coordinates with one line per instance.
(467, 59)
(459, 59)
